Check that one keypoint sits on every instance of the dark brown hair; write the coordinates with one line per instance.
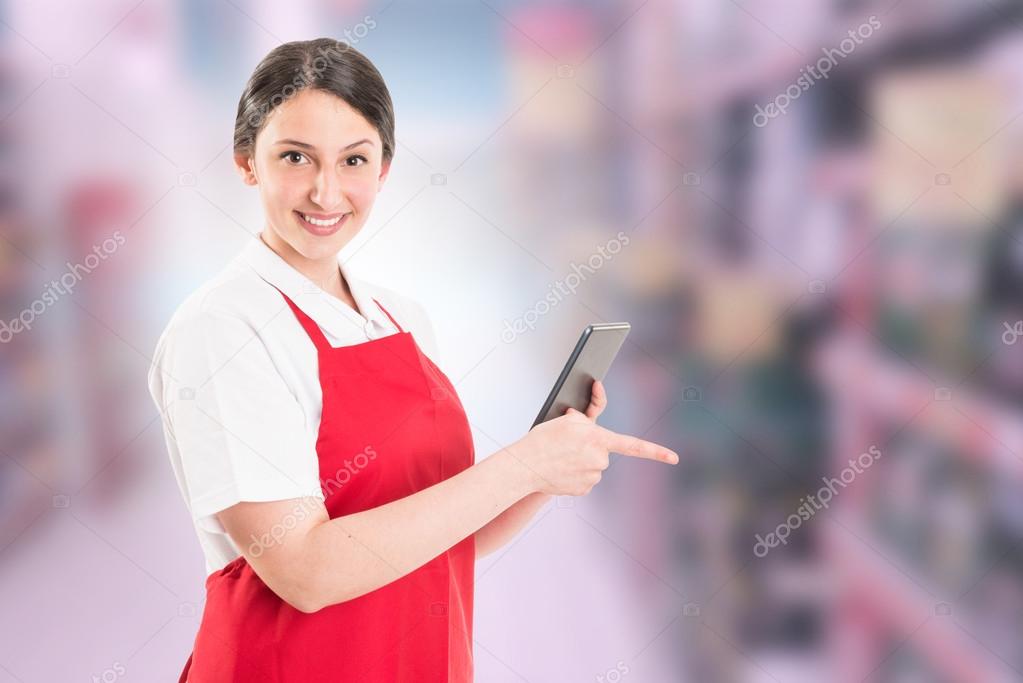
(332, 66)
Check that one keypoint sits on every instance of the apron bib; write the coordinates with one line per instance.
(391, 425)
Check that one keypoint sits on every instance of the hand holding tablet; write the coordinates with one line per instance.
(590, 360)
(566, 453)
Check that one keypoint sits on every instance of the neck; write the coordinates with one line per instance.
(324, 272)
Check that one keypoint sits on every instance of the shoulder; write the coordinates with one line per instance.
(216, 319)
(235, 292)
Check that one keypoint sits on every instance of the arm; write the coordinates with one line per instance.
(510, 522)
(321, 561)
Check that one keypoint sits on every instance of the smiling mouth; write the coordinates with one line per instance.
(326, 225)
(323, 223)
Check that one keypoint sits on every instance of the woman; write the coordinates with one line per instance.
(325, 459)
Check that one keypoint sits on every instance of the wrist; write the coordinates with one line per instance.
(516, 472)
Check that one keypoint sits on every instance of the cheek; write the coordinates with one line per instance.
(362, 192)
(276, 185)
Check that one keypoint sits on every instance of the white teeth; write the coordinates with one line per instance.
(316, 221)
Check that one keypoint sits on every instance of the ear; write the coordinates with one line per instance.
(245, 166)
(385, 169)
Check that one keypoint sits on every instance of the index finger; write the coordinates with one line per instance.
(638, 448)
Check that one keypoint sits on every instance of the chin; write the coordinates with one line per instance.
(310, 246)
(317, 248)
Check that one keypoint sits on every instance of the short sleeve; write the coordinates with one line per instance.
(239, 431)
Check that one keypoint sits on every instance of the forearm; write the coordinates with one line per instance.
(506, 525)
(352, 555)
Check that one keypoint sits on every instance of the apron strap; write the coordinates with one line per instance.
(308, 324)
(313, 330)
(400, 329)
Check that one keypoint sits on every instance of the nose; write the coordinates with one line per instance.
(327, 189)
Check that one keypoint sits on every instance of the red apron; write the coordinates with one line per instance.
(392, 425)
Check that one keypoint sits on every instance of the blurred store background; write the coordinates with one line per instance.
(811, 212)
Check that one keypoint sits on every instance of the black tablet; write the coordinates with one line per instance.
(594, 352)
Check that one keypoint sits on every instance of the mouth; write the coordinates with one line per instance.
(322, 224)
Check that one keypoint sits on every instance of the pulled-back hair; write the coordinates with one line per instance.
(325, 64)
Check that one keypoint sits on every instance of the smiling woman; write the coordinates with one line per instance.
(320, 155)
(284, 371)
(316, 196)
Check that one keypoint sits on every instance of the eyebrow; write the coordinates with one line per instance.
(306, 145)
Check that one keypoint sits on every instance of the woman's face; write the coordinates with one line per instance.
(316, 159)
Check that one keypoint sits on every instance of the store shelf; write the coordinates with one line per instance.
(884, 385)
(898, 603)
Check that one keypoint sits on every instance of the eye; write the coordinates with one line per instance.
(291, 154)
(348, 161)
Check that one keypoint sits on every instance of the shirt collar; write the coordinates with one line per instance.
(330, 313)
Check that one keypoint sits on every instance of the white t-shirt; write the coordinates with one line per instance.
(235, 378)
